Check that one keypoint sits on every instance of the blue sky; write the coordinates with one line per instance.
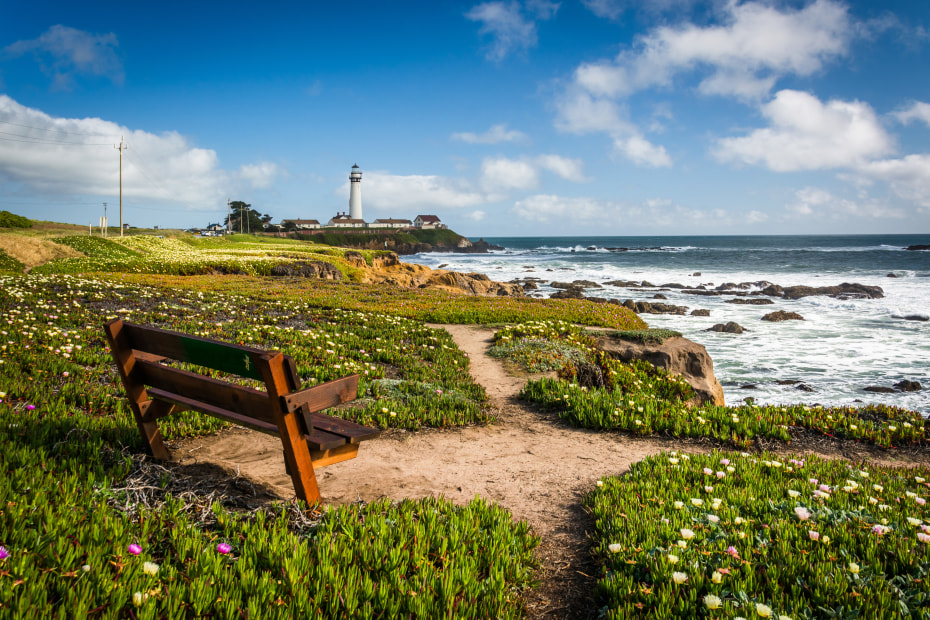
(581, 117)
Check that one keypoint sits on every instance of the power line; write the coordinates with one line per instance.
(73, 133)
(30, 140)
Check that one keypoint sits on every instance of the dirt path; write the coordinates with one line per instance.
(528, 462)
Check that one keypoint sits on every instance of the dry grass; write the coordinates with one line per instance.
(33, 251)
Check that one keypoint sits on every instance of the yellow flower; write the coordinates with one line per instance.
(763, 611)
(854, 568)
(716, 577)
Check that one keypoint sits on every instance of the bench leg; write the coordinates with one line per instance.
(147, 420)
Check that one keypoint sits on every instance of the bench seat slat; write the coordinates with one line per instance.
(318, 440)
(236, 398)
(353, 432)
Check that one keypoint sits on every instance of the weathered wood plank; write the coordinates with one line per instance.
(322, 458)
(353, 432)
(296, 452)
(323, 396)
(217, 412)
(232, 358)
(236, 398)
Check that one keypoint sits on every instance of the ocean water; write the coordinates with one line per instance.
(841, 347)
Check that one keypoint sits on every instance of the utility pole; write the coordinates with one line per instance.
(228, 216)
(121, 148)
(103, 224)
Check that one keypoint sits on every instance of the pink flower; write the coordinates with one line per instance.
(30, 407)
(65, 373)
(814, 535)
(135, 549)
(223, 548)
(921, 501)
(803, 513)
(731, 550)
(708, 471)
(724, 461)
(720, 474)
(4, 554)
(924, 538)
(878, 530)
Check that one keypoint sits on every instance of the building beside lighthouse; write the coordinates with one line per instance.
(355, 193)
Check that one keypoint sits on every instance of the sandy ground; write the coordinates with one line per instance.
(528, 462)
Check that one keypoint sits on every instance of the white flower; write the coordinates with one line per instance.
(709, 489)
(682, 544)
(672, 559)
(854, 568)
(919, 479)
(697, 501)
(679, 578)
(763, 611)
(686, 533)
(673, 461)
(679, 505)
(599, 483)
(802, 513)
(878, 487)
(793, 493)
(138, 598)
(713, 518)
(615, 547)
(150, 568)
(712, 601)
(738, 520)
(716, 577)
(913, 521)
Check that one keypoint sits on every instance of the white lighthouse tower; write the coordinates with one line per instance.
(355, 193)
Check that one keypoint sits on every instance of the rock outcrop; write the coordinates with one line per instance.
(754, 301)
(731, 327)
(388, 269)
(918, 248)
(645, 307)
(781, 315)
(679, 355)
(308, 269)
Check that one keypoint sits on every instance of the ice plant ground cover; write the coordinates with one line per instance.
(68, 438)
(187, 255)
(730, 535)
(642, 399)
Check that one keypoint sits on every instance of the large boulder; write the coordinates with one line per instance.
(678, 355)
(645, 307)
(731, 327)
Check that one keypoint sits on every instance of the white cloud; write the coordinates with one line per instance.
(547, 208)
(568, 169)
(908, 177)
(755, 44)
(495, 135)
(477, 215)
(502, 174)
(917, 111)
(756, 217)
(383, 191)
(511, 28)
(612, 9)
(261, 175)
(805, 134)
(581, 113)
(63, 52)
(643, 152)
(65, 156)
(817, 203)
(608, 215)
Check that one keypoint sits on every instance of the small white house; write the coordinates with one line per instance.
(343, 220)
(391, 223)
(302, 224)
(428, 221)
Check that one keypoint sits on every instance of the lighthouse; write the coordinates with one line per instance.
(355, 193)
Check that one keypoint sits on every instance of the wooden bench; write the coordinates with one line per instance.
(156, 390)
